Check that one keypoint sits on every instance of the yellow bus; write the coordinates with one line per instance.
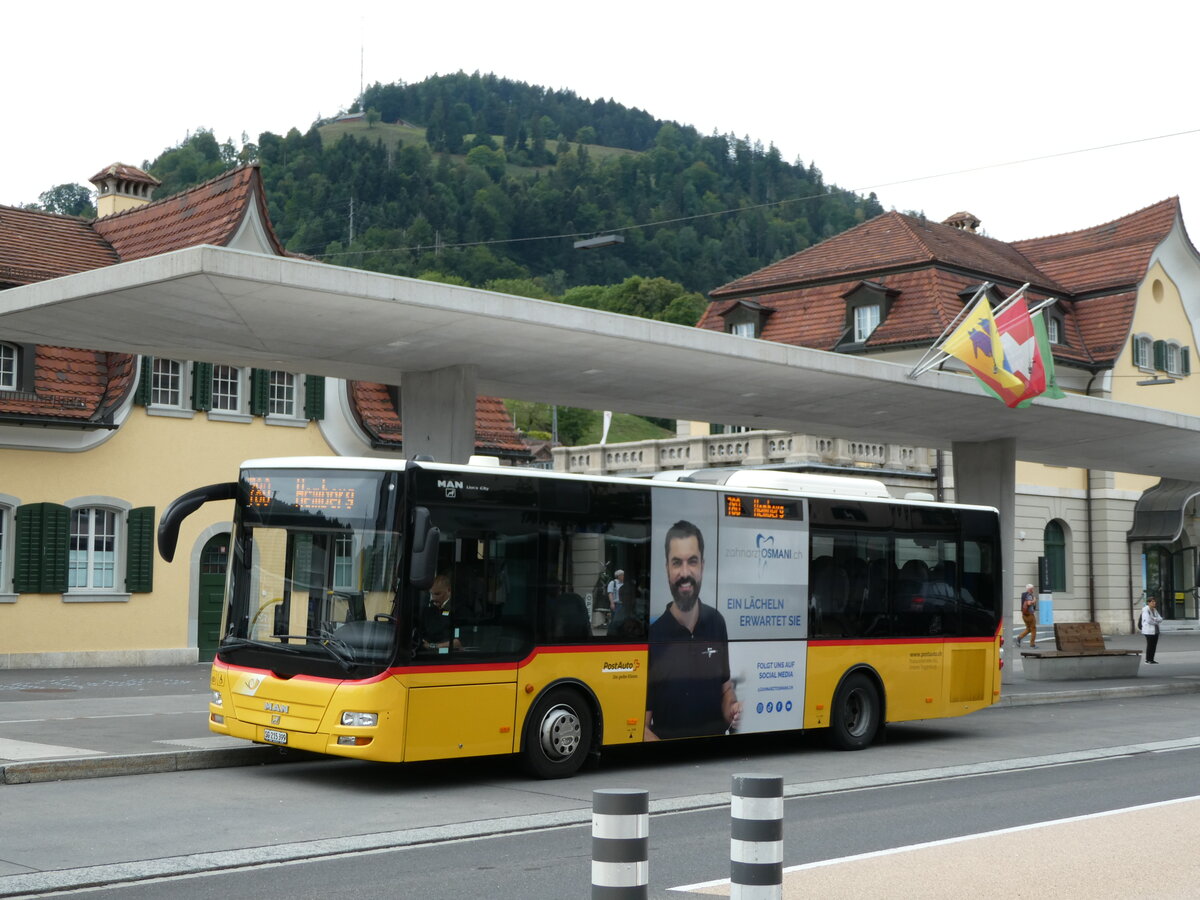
(410, 610)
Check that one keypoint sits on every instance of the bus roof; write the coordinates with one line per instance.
(765, 480)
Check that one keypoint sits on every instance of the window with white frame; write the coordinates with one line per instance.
(92, 555)
(8, 367)
(281, 395)
(6, 526)
(343, 563)
(1053, 330)
(1143, 352)
(1172, 354)
(866, 320)
(742, 329)
(168, 383)
(228, 393)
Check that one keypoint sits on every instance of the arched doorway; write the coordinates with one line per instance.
(211, 595)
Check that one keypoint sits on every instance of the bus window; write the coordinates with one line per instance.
(486, 564)
(849, 588)
(589, 535)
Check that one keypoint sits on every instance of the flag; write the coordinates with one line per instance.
(1053, 391)
(1022, 356)
(977, 343)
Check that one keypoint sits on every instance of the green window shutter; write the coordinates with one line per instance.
(202, 375)
(260, 386)
(314, 396)
(1160, 355)
(42, 534)
(139, 550)
(141, 396)
(1185, 360)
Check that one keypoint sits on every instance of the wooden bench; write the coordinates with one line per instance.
(1080, 653)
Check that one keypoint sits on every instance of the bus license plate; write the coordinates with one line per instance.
(274, 737)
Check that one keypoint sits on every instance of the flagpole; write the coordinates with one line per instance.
(1012, 298)
(924, 364)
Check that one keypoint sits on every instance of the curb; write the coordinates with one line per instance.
(1121, 692)
(39, 771)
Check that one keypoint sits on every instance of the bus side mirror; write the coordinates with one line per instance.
(184, 506)
(426, 537)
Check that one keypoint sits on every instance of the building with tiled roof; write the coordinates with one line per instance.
(1125, 326)
(94, 445)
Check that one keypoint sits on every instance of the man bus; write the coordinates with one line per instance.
(842, 608)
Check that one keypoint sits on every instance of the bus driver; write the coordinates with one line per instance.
(690, 691)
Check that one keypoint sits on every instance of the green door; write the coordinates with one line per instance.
(213, 562)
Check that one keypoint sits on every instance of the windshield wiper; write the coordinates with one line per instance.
(343, 657)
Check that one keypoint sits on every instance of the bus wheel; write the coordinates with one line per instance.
(558, 735)
(856, 714)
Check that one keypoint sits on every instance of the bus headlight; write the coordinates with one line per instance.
(216, 698)
(360, 719)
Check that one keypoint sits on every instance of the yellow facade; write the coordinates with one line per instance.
(149, 461)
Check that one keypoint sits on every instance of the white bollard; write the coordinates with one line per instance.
(620, 844)
(756, 838)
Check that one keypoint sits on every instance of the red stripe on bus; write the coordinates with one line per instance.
(879, 642)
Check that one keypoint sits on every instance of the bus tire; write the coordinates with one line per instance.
(857, 713)
(558, 734)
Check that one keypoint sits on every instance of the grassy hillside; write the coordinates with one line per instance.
(393, 136)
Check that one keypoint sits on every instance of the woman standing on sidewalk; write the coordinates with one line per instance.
(1028, 608)
(1150, 619)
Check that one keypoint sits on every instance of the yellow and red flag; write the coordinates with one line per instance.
(976, 341)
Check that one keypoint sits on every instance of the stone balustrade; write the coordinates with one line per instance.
(750, 448)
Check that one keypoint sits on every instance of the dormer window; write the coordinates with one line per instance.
(1054, 329)
(867, 306)
(746, 319)
(742, 329)
(866, 320)
(8, 367)
(16, 367)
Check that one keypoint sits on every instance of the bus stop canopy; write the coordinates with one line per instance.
(220, 305)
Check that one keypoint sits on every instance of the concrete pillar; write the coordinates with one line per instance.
(985, 473)
(437, 410)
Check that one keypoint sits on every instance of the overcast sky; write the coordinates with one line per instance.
(936, 106)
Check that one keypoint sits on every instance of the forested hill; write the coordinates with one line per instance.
(475, 178)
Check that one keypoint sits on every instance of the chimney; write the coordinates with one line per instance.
(121, 187)
(963, 221)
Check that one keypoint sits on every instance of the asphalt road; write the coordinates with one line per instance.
(477, 829)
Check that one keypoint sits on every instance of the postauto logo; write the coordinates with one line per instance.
(621, 666)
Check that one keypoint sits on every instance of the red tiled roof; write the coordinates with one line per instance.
(494, 431)
(926, 266)
(37, 245)
(86, 385)
(1105, 256)
(209, 213)
(889, 242)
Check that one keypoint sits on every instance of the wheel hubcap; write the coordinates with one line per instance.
(560, 733)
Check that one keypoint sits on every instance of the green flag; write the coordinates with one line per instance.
(1053, 391)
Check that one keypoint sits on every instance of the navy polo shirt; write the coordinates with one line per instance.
(688, 671)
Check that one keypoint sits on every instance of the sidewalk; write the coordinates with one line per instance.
(58, 724)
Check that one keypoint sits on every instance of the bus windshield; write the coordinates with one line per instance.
(312, 578)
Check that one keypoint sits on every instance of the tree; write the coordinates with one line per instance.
(372, 117)
(68, 200)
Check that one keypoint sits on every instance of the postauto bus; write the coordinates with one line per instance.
(407, 610)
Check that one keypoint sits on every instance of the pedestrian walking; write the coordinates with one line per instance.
(1028, 608)
(1149, 627)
